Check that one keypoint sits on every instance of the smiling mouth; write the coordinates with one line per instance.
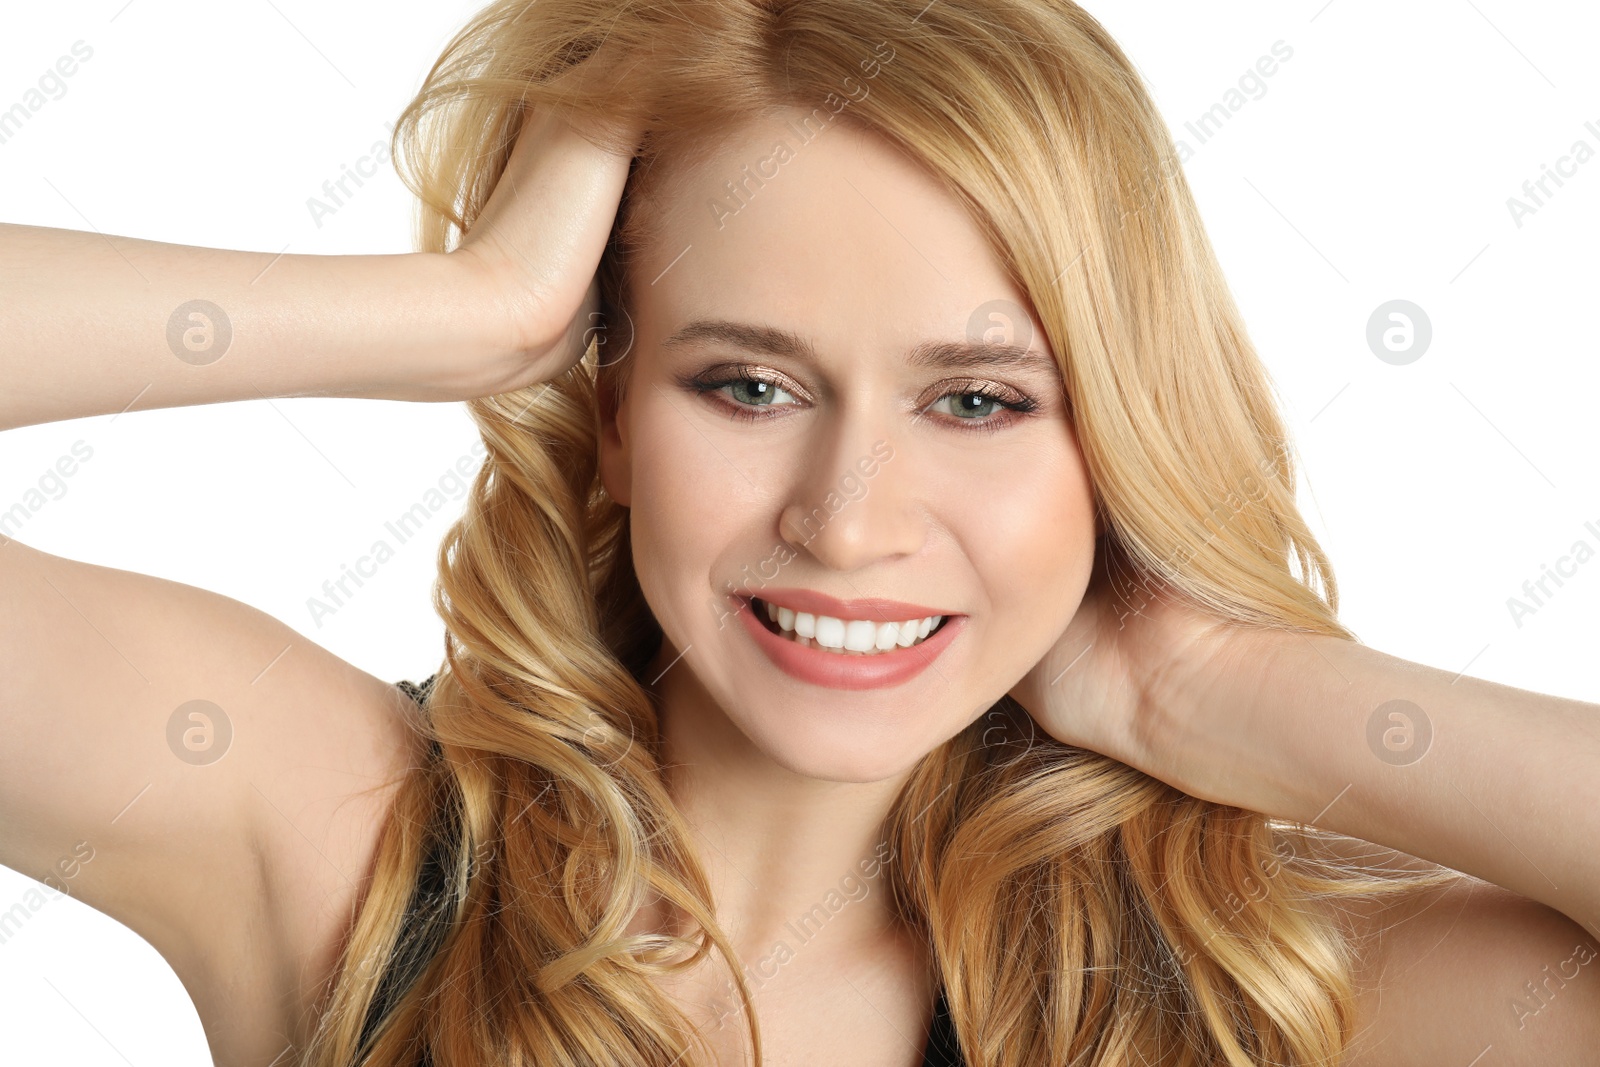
(828, 634)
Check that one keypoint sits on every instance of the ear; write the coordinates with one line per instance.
(616, 450)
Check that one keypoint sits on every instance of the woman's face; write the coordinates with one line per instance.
(845, 467)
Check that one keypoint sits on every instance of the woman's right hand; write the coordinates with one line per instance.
(537, 244)
(95, 324)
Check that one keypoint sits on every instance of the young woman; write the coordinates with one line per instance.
(882, 631)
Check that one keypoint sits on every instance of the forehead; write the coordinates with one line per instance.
(829, 231)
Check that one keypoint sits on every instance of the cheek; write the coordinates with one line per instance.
(1033, 546)
(681, 516)
(1030, 553)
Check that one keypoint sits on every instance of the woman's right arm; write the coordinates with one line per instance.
(96, 324)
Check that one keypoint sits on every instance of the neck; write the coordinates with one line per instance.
(798, 866)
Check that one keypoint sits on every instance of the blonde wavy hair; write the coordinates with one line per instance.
(1079, 911)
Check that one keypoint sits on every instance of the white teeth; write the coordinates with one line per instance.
(886, 637)
(859, 636)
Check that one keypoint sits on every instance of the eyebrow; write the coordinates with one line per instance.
(941, 355)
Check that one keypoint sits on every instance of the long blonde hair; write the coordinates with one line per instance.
(1079, 911)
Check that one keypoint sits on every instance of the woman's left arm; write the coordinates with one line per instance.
(1497, 782)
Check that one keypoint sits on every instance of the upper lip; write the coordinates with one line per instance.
(876, 609)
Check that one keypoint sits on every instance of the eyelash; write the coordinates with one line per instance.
(1018, 404)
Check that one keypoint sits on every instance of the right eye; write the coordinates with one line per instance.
(745, 389)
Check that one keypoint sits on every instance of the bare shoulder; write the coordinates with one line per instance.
(1467, 973)
(199, 771)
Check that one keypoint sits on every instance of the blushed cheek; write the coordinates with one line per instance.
(680, 524)
(660, 520)
(1039, 553)
(672, 475)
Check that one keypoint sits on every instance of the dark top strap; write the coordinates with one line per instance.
(417, 692)
(942, 1049)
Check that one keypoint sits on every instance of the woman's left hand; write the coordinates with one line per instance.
(1111, 681)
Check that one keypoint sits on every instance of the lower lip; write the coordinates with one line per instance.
(839, 671)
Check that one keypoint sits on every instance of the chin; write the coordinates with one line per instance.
(835, 753)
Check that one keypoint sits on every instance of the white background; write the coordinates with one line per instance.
(1376, 166)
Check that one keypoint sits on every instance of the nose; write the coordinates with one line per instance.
(854, 501)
